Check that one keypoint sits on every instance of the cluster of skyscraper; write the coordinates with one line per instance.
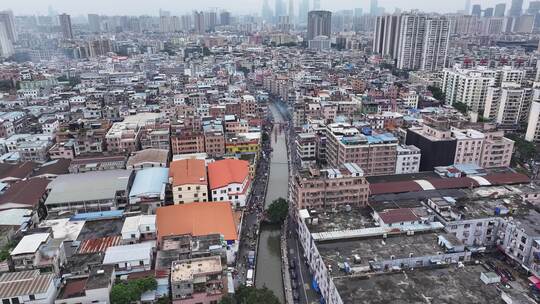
(414, 40)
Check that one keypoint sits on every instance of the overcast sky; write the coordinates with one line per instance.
(151, 7)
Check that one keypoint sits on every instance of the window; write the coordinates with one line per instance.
(32, 297)
(141, 263)
(15, 300)
(5, 301)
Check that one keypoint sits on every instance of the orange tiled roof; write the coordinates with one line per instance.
(188, 171)
(224, 172)
(197, 219)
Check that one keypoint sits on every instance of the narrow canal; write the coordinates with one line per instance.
(269, 255)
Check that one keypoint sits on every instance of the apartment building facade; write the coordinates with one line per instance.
(329, 188)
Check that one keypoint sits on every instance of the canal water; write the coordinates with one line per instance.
(269, 255)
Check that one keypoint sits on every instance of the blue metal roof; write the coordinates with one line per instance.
(149, 180)
(97, 215)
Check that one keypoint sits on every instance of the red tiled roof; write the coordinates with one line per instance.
(27, 192)
(394, 187)
(18, 171)
(197, 219)
(453, 183)
(188, 171)
(507, 178)
(398, 216)
(99, 245)
(224, 172)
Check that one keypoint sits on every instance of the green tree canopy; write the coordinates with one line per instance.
(523, 150)
(249, 295)
(129, 292)
(437, 93)
(277, 211)
(463, 108)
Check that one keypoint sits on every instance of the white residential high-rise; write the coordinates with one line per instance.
(470, 86)
(94, 23)
(7, 18)
(386, 39)
(509, 104)
(6, 46)
(533, 123)
(423, 42)
(303, 11)
(65, 25)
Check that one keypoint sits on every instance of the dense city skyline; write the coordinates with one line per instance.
(125, 7)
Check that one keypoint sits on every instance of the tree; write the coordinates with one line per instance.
(437, 93)
(463, 108)
(523, 150)
(277, 211)
(128, 292)
(248, 295)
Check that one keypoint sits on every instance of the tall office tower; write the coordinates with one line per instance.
(185, 22)
(303, 11)
(386, 37)
(467, 7)
(7, 18)
(374, 8)
(319, 24)
(65, 25)
(198, 19)
(94, 23)
(516, 8)
(280, 9)
(267, 11)
(165, 24)
(316, 5)
(488, 12)
(291, 11)
(476, 10)
(225, 18)
(500, 9)
(210, 21)
(423, 42)
(6, 46)
(534, 7)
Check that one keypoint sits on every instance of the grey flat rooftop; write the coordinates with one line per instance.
(357, 218)
(379, 249)
(446, 285)
(90, 186)
(100, 229)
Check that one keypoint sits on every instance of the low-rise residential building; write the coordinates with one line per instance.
(148, 158)
(130, 258)
(189, 181)
(92, 288)
(229, 180)
(329, 188)
(408, 159)
(375, 154)
(27, 287)
(148, 189)
(198, 280)
(122, 139)
(88, 135)
(200, 219)
(139, 228)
